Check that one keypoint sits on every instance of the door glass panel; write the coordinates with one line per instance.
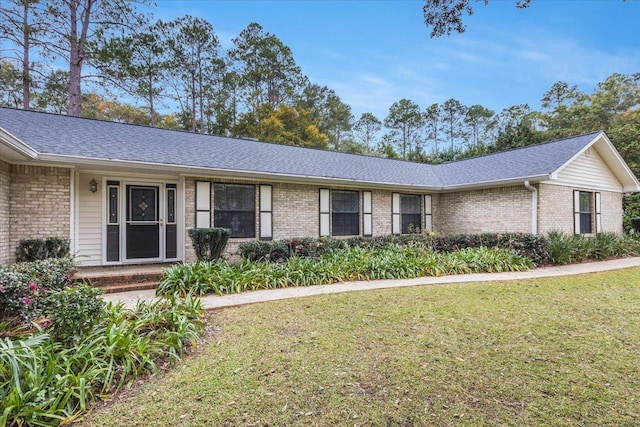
(143, 204)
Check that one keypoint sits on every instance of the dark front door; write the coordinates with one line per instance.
(143, 222)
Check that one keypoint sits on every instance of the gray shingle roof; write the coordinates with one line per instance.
(95, 139)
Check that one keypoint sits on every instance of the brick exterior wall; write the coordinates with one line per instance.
(40, 203)
(493, 210)
(555, 211)
(381, 212)
(5, 247)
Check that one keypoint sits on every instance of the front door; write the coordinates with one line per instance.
(143, 222)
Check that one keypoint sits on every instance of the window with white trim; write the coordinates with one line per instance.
(345, 213)
(411, 212)
(586, 212)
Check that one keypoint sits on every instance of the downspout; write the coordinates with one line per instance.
(534, 206)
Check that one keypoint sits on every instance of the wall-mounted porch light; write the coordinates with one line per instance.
(93, 186)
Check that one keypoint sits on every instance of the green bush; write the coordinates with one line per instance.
(23, 285)
(349, 263)
(635, 224)
(209, 243)
(529, 245)
(280, 250)
(73, 311)
(29, 250)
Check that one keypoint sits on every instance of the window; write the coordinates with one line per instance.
(235, 209)
(410, 212)
(344, 213)
(586, 211)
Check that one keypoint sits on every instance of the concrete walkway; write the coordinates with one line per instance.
(213, 301)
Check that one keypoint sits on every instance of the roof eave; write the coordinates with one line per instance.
(496, 183)
(17, 145)
(182, 170)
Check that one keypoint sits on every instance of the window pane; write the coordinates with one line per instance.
(345, 224)
(585, 223)
(410, 220)
(585, 201)
(143, 204)
(234, 197)
(234, 208)
(113, 205)
(410, 204)
(344, 201)
(241, 224)
(171, 206)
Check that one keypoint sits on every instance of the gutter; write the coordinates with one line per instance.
(18, 145)
(534, 206)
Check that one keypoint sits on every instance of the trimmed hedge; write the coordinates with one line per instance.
(38, 249)
(531, 246)
(209, 243)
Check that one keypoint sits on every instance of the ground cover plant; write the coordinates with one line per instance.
(62, 348)
(339, 265)
(565, 248)
(555, 351)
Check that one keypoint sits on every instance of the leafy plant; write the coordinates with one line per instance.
(73, 311)
(209, 243)
(23, 285)
(335, 265)
(38, 249)
(44, 383)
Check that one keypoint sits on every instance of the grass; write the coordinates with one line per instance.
(555, 351)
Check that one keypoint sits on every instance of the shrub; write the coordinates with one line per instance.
(275, 251)
(209, 243)
(38, 249)
(281, 250)
(73, 311)
(635, 224)
(23, 285)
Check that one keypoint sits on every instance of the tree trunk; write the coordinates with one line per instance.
(26, 78)
(77, 53)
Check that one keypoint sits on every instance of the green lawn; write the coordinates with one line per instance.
(560, 351)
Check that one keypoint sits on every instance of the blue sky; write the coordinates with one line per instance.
(373, 53)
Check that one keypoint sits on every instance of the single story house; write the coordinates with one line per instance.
(128, 194)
